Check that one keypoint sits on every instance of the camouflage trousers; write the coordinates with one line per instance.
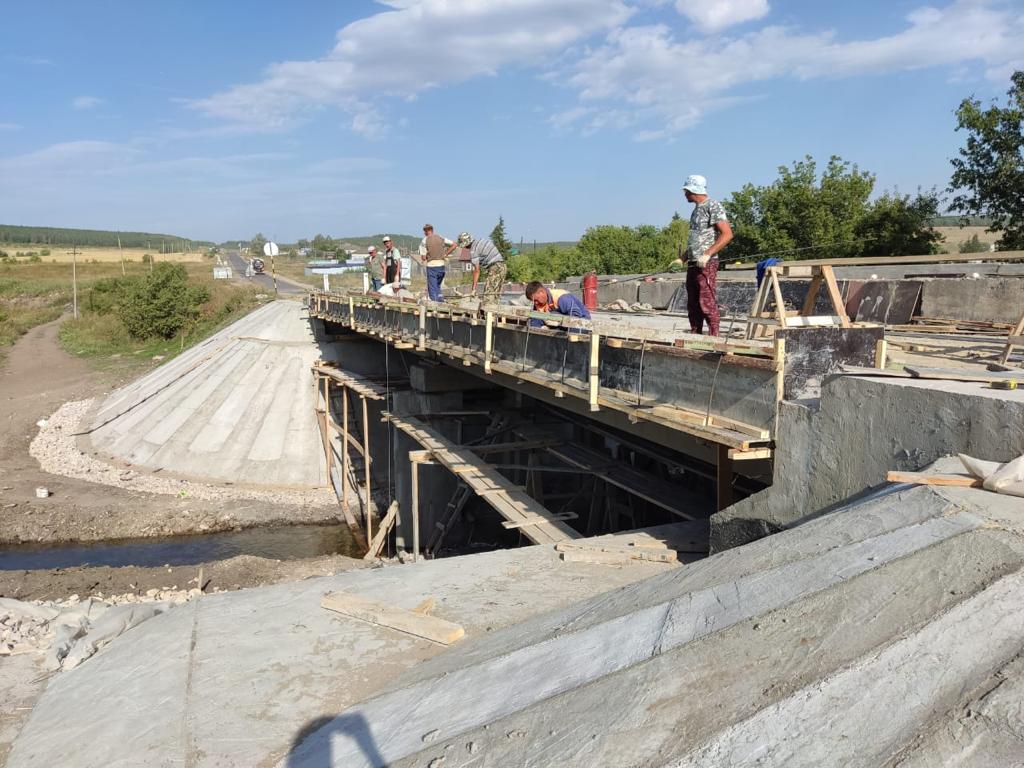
(494, 278)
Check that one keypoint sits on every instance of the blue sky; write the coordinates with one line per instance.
(217, 120)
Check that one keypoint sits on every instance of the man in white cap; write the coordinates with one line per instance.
(392, 260)
(710, 232)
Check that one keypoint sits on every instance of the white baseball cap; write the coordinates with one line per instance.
(372, 249)
(386, 239)
(698, 185)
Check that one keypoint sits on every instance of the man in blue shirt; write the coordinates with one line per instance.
(554, 300)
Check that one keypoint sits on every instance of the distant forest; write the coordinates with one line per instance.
(10, 233)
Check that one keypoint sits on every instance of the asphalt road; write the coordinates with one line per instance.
(284, 287)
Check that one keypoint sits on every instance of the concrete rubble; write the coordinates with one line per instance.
(67, 632)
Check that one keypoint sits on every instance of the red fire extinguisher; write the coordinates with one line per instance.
(590, 290)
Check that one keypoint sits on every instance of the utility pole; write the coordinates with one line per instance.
(119, 250)
(74, 279)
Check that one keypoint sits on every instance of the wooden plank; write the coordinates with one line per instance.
(382, 533)
(427, 627)
(594, 557)
(951, 374)
(518, 445)
(756, 453)
(866, 261)
(649, 554)
(725, 477)
(539, 520)
(923, 478)
(881, 353)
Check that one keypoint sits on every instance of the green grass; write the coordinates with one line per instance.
(104, 340)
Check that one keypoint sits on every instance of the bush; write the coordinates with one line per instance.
(973, 245)
(161, 303)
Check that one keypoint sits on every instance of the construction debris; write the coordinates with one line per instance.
(67, 632)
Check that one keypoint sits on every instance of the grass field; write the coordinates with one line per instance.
(33, 294)
(62, 254)
(957, 235)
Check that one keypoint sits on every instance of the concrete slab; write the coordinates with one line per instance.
(237, 408)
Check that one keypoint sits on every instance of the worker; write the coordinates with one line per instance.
(434, 249)
(710, 232)
(375, 266)
(392, 260)
(554, 300)
(484, 255)
(762, 268)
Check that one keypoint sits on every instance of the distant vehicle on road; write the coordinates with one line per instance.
(258, 266)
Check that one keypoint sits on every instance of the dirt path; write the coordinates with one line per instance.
(37, 378)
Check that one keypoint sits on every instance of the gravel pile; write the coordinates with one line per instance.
(56, 449)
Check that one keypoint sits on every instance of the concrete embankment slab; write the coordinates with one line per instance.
(721, 653)
(867, 627)
(236, 677)
(238, 408)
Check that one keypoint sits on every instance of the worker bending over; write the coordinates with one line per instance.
(554, 300)
(484, 255)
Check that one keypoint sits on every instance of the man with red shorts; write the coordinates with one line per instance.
(709, 233)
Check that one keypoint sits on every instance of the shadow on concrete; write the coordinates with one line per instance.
(311, 747)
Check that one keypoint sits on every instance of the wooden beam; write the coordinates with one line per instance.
(756, 453)
(924, 478)
(881, 353)
(488, 341)
(411, 623)
(382, 533)
(344, 445)
(500, 493)
(366, 468)
(725, 477)
(939, 258)
(415, 466)
(595, 349)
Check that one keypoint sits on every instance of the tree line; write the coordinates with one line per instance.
(10, 233)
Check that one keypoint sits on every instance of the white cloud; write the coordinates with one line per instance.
(643, 69)
(715, 15)
(424, 44)
(86, 102)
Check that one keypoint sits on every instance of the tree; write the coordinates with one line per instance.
(988, 176)
(800, 216)
(256, 246)
(324, 246)
(161, 303)
(899, 224)
(499, 238)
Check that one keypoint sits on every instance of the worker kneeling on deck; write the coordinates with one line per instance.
(554, 300)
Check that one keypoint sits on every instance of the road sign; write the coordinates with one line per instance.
(271, 249)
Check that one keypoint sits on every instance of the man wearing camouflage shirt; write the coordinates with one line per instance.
(709, 233)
